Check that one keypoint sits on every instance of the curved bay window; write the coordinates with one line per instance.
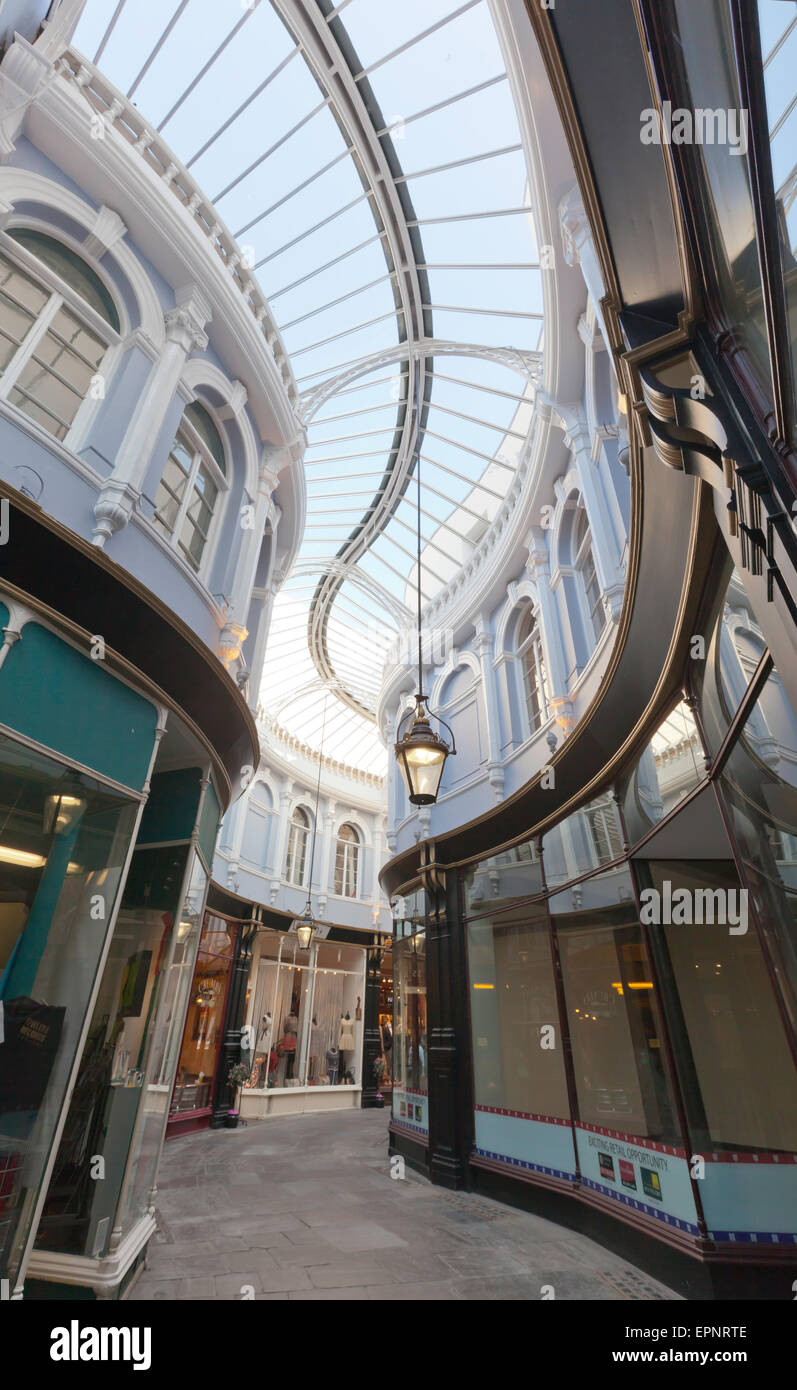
(584, 562)
(57, 323)
(298, 839)
(347, 862)
(535, 678)
(193, 480)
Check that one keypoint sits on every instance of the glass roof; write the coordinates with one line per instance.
(419, 279)
(778, 24)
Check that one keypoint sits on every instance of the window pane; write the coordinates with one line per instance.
(55, 380)
(520, 1085)
(72, 269)
(583, 841)
(410, 1056)
(64, 839)
(21, 301)
(735, 1099)
(670, 767)
(614, 1021)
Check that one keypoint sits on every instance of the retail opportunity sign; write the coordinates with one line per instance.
(650, 1178)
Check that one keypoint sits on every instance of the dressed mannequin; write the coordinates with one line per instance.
(333, 1062)
(346, 1034)
(316, 1046)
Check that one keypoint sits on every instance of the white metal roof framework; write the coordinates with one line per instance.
(368, 159)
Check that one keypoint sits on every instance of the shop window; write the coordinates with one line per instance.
(298, 841)
(204, 1024)
(347, 862)
(193, 481)
(168, 1036)
(759, 784)
(58, 323)
(584, 563)
(63, 847)
(518, 1059)
(410, 1042)
(306, 1011)
(737, 1073)
(614, 1018)
(535, 679)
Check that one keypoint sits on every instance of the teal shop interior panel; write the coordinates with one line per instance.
(69, 703)
(209, 824)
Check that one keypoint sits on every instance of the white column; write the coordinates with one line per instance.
(483, 646)
(392, 774)
(326, 857)
(269, 594)
(550, 630)
(282, 840)
(235, 633)
(119, 493)
(605, 551)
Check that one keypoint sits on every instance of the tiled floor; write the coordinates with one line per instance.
(305, 1208)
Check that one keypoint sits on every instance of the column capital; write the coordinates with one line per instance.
(185, 323)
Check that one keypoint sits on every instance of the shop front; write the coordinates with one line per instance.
(201, 1048)
(628, 1047)
(305, 1012)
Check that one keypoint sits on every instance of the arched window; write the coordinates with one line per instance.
(584, 562)
(57, 322)
(347, 862)
(298, 841)
(188, 493)
(535, 678)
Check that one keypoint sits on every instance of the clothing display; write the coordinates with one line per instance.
(333, 1063)
(346, 1035)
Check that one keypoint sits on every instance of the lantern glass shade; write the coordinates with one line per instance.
(304, 931)
(421, 756)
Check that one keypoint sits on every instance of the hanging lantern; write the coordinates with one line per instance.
(305, 928)
(421, 755)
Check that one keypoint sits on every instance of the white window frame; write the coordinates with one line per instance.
(587, 548)
(294, 852)
(60, 293)
(351, 851)
(533, 642)
(201, 455)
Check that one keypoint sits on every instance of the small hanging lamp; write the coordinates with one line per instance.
(420, 752)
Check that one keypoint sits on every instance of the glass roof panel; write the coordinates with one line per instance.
(241, 106)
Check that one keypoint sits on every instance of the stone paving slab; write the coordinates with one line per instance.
(304, 1208)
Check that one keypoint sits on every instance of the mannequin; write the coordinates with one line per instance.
(287, 1045)
(333, 1062)
(316, 1046)
(346, 1034)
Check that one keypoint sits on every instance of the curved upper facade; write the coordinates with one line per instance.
(149, 400)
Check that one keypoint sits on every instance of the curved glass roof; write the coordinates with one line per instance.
(368, 159)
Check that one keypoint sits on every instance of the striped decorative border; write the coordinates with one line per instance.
(411, 1128)
(522, 1115)
(633, 1139)
(755, 1237)
(531, 1167)
(634, 1202)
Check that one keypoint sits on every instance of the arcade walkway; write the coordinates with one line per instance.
(304, 1208)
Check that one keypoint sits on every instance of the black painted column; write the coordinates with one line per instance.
(372, 1043)
(450, 1108)
(230, 1050)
